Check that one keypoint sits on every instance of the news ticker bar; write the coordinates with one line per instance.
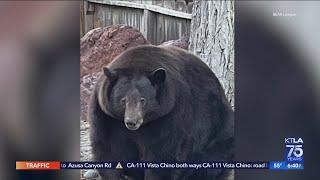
(57, 165)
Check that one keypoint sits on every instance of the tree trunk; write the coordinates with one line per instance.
(212, 39)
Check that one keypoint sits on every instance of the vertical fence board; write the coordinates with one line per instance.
(158, 2)
(160, 30)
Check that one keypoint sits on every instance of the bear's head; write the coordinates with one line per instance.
(132, 97)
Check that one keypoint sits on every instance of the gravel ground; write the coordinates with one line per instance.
(85, 148)
(85, 152)
(86, 85)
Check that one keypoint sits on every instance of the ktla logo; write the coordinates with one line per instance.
(294, 149)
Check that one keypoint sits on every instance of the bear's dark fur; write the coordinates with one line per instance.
(156, 103)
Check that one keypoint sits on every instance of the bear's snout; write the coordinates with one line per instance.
(132, 124)
(133, 116)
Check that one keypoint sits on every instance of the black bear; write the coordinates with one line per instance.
(156, 103)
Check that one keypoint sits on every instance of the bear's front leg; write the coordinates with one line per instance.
(160, 174)
(154, 174)
(112, 174)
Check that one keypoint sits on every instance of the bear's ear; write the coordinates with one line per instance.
(110, 74)
(158, 76)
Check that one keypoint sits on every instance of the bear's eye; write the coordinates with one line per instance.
(143, 101)
(123, 101)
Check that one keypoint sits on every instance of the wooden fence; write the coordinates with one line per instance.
(158, 20)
